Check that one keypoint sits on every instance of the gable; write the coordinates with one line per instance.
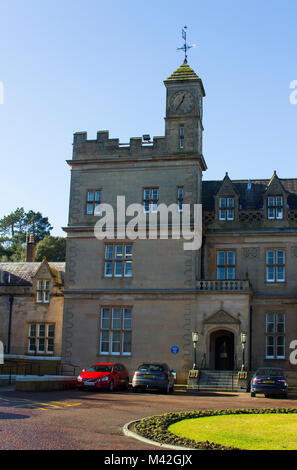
(221, 317)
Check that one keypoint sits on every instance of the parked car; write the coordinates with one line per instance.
(153, 376)
(108, 376)
(269, 381)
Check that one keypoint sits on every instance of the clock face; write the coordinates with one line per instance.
(182, 102)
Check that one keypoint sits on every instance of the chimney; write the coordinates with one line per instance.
(31, 249)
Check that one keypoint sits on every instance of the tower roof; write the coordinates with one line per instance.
(184, 72)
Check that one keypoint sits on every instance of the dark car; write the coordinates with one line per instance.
(269, 381)
(108, 376)
(153, 376)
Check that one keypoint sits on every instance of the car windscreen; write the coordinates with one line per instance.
(100, 368)
(151, 368)
(270, 372)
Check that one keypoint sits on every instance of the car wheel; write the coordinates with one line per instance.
(253, 394)
(126, 386)
(111, 386)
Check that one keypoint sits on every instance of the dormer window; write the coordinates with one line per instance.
(43, 292)
(226, 208)
(275, 206)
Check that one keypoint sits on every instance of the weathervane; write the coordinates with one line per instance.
(186, 46)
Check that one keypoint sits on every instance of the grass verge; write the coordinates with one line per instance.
(157, 427)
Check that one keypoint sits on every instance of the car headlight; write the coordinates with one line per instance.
(105, 379)
(79, 378)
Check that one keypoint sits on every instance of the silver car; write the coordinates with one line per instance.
(153, 376)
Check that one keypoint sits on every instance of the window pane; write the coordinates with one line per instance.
(90, 209)
(32, 344)
(127, 342)
(47, 285)
(146, 194)
(223, 202)
(98, 196)
(90, 196)
(51, 331)
(40, 285)
(180, 206)
(108, 269)
(42, 330)
(270, 201)
(280, 346)
(270, 213)
(97, 209)
(180, 193)
(221, 258)
(104, 343)
(270, 257)
(223, 214)
(119, 252)
(270, 274)
(46, 297)
(128, 251)
(279, 213)
(118, 265)
(41, 345)
(279, 201)
(231, 257)
(280, 257)
(230, 214)
(230, 273)
(105, 318)
(128, 269)
(270, 346)
(50, 345)
(108, 252)
(280, 323)
(146, 207)
(32, 329)
(127, 320)
(221, 274)
(155, 194)
(116, 318)
(230, 202)
(280, 273)
(270, 323)
(116, 342)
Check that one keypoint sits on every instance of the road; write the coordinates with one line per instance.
(83, 420)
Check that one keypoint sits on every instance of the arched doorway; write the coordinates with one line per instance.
(222, 350)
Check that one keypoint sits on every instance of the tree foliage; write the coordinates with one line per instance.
(53, 248)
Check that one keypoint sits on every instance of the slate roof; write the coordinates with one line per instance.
(21, 274)
(184, 72)
(249, 199)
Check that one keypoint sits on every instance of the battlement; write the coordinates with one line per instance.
(103, 146)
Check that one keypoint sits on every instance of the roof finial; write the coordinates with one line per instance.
(186, 46)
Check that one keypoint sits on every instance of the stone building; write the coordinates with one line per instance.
(31, 310)
(141, 299)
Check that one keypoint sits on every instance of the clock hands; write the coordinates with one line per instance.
(182, 100)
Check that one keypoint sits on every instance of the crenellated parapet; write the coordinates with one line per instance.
(103, 146)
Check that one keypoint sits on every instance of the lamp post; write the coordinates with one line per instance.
(243, 337)
(195, 337)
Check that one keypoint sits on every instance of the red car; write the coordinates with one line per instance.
(107, 376)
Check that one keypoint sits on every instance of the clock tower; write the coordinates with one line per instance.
(183, 121)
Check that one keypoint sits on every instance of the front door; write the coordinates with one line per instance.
(224, 352)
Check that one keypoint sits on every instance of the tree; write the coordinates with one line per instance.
(53, 248)
(14, 230)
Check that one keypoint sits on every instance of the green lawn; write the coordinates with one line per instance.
(250, 432)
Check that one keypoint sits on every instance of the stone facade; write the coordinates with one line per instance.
(26, 300)
(170, 292)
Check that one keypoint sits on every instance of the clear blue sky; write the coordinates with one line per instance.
(68, 66)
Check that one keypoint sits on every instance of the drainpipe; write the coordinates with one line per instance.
(9, 323)
(250, 339)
